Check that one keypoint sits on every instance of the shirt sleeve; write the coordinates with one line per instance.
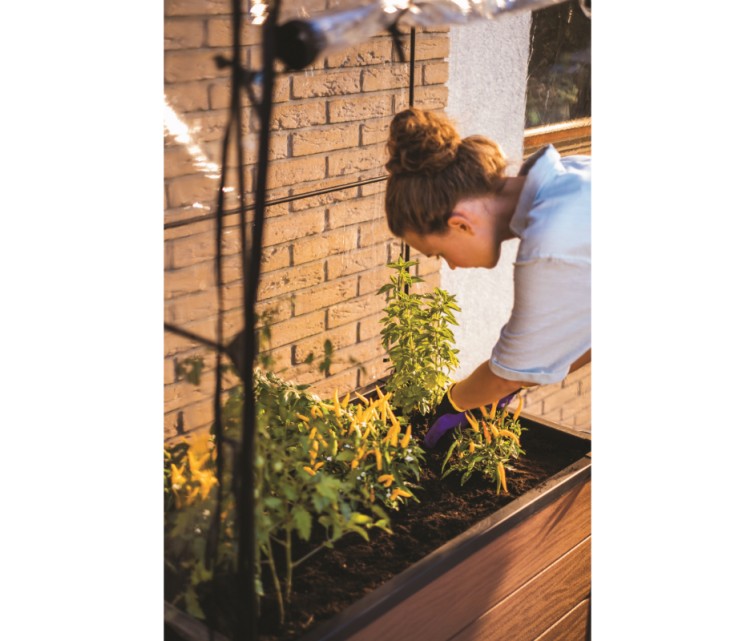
(550, 324)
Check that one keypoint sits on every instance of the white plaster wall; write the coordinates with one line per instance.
(488, 64)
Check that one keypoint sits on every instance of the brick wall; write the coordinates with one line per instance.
(567, 403)
(324, 257)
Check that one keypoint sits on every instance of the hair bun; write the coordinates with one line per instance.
(421, 142)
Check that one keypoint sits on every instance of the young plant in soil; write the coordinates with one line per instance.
(419, 341)
(486, 447)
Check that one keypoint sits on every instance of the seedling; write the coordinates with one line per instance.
(417, 337)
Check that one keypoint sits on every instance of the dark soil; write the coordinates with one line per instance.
(334, 579)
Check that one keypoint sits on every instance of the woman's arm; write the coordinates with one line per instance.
(483, 387)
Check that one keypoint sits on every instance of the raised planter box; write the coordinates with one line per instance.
(521, 574)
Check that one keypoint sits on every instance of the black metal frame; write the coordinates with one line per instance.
(242, 349)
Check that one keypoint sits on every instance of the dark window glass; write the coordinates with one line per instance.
(559, 70)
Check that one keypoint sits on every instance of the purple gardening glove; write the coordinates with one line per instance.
(447, 416)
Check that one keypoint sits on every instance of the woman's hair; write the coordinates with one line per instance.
(431, 169)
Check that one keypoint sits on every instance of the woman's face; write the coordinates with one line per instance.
(468, 241)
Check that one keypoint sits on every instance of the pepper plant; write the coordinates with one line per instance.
(419, 341)
(486, 446)
(328, 466)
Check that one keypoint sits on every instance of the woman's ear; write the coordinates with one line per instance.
(459, 221)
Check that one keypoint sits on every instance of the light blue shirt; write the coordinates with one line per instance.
(550, 324)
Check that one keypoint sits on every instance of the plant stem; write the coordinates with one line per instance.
(277, 585)
(289, 567)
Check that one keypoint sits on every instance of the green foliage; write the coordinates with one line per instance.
(417, 336)
(328, 467)
(485, 447)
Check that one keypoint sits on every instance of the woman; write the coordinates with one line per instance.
(449, 197)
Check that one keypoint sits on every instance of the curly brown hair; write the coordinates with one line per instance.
(431, 168)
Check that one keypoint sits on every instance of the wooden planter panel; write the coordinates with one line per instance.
(444, 606)
(573, 626)
(539, 604)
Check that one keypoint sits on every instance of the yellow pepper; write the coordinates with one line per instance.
(473, 422)
(309, 470)
(407, 436)
(378, 459)
(399, 492)
(502, 477)
(471, 447)
(519, 408)
(386, 479)
(510, 435)
(486, 434)
(494, 430)
(303, 418)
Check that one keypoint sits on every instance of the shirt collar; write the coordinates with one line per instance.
(537, 169)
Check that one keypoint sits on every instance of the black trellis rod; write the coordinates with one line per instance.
(275, 201)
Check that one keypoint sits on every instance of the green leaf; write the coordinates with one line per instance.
(302, 521)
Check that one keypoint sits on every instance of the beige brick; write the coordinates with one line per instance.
(288, 280)
(184, 191)
(356, 211)
(356, 261)
(191, 279)
(374, 51)
(391, 76)
(370, 327)
(206, 327)
(340, 383)
(276, 360)
(374, 188)
(371, 281)
(327, 83)
(220, 34)
(220, 93)
(177, 161)
(297, 115)
(355, 356)
(325, 199)
(318, 140)
(338, 241)
(430, 47)
(322, 296)
(208, 127)
(191, 307)
(374, 232)
(351, 311)
(432, 98)
(428, 266)
(351, 161)
(294, 171)
(435, 73)
(276, 257)
(186, 33)
(315, 346)
(196, 7)
(374, 370)
(559, 398)
(201, 247)
(183, 393)
(376, 131)
(294, 227)
(297, 328)
(185, 97)
(194, 64)
(195, 417)
(358, 108)
(582, 420)
(430, 282)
